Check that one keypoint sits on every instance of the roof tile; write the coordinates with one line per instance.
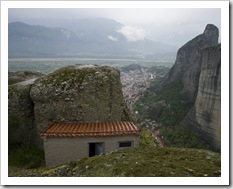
(91, 129)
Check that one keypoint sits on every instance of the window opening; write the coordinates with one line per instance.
(125, 144)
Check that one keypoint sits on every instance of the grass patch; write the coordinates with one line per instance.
(138, 162)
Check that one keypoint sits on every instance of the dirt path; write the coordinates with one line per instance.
(157, 139)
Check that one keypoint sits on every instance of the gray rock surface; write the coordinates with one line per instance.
(20, 76)
(198, 67)
(205, 116)
(19, 100)
(187, 66)
(80, 93)
(21, 109)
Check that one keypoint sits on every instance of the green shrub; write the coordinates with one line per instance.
(25, 157)
(169, 114)
(18, 131)
(177, 136)
(146, 139)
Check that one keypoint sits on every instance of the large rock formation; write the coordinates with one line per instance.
(19, 101)
(198, 68)
(187, 66)
(20, 104)
(80, 93)
(205, 116)
(19, 76)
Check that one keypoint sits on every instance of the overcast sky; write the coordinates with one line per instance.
(173, 26)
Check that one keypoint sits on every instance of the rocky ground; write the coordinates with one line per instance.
(20, 76)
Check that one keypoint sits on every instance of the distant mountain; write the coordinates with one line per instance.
(97, 36)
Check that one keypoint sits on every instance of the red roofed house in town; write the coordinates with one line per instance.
(64, 142)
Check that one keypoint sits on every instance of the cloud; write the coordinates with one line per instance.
(112, 38)
(157, 23)
(132, 33)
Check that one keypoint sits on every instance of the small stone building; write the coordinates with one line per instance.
(64, 142)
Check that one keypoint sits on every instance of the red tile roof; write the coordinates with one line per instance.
(91, 129)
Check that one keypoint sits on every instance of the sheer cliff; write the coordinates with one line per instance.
(21, 107)
(205, 116)
(198, 69)
(187, 66)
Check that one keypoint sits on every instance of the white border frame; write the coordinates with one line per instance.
(223, 180)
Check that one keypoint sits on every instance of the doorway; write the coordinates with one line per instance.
(96, 148)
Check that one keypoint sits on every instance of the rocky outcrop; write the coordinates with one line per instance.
(198, 69)
(80, 93)
(20, 115)
(20, 103)
(187, 66)
(19, 76)
(205, 116)
(19, 100)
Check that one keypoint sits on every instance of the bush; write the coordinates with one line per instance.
(177, 136)
(18, 131)
(25, 157)
(169, 114)
(146, 139)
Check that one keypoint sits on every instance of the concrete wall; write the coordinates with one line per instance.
(62, 150)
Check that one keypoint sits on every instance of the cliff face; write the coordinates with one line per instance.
(205, 116)
(20, 114)
(19, 86)
(198, 68)
(79, 94)
(19, 101)
(187, 66)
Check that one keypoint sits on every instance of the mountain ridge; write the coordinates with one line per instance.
(102, 37)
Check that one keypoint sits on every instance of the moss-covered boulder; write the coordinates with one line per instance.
(79, 93)
(21, 128)
(19, 76)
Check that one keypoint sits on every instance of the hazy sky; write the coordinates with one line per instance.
(173, 26)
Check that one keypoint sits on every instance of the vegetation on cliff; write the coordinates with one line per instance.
(21, 151)
(166, 107)
(168, 100)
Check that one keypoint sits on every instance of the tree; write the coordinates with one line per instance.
(146, 139)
